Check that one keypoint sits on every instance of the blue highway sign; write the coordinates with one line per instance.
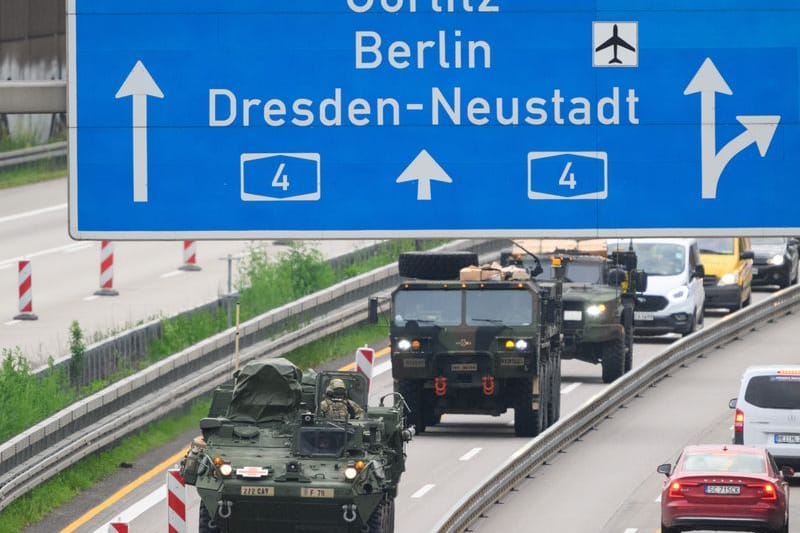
(422, 118)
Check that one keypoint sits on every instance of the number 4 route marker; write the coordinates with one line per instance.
(139, 84)
(567, 177)
(759, 129)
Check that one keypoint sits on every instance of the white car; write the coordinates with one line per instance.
(768, 412)
(675, 298)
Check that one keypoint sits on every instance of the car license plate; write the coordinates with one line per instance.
(306, 492)
(787, 438)
(723, 489)
(464, 367)
(573, 315)
(643, 315)
(258, 491)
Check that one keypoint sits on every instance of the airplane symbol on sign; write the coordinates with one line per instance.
(616, 41)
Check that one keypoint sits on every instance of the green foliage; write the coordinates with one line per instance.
(177, 333)
(77, 350)
(342, 343)
(33, 173)
(388, 253)
(62, 488)
(27, 398)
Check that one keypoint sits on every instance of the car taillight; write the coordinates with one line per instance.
(675, 490)
(738, 421)
(766, 490)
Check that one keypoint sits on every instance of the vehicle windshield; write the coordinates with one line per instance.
(744, 463)
(428, 307)
(577, 272)
(504, 307)
(774, 392)
(659, 258)
(769, 241)
(322, 441)
(716, 246)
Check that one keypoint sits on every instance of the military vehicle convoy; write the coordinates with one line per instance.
(599, 292)
(472, 341)
(267, 462)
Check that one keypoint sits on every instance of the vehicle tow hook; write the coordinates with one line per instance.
(225, 508)
(349, 513)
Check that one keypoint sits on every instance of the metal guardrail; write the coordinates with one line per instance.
(567, 430)
(14, 158)
(51, 446)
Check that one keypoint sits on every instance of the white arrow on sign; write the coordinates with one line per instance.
(424, 169)
(139, 84)
(758, 129)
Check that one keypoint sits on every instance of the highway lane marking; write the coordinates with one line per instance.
(172, 274)
(12, 322)
(3, 267)
(139, 508)
(470, 454)
(658, 500)
(124, 491)
(423, 491)
(631, 530)
(144, 478)
(33, 213)
(78, 247)
(90, 298)
(569, 388)
(57, 249)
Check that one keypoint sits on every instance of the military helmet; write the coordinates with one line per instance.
(337, 388)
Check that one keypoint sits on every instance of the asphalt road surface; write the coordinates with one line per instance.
(66, 273)
(454, 457)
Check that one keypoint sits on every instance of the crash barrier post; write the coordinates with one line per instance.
(176, 501)
(364, 358)
(117, 527)
(25, 292)
(189, 257)
(106, 270)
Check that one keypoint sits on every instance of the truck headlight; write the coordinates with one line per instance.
(776, 260)
(731, 278)
(522, 345)
(404, 345)
(350, 472)
(225, 470)
(596, 310)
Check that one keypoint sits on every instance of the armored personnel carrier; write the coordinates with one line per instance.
(267, 462)
(470, 340)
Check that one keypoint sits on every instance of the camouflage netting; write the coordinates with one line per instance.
(266, 391)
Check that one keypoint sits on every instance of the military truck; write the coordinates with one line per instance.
(598, 296)
(267, 462)
(477, 346)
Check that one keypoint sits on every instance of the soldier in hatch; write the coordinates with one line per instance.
(336, 403)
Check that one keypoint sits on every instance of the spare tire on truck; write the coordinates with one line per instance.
(435, 265)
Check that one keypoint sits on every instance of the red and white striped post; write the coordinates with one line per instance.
(176, 502)
(364, 358)
(117, 527)
(106, 270)
(189, 257)
(25, 292)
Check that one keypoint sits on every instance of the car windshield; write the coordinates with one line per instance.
(504, 307)
(322, 441)
(716, 246)
(774, 392)
(577, 272)
(744, 463)
(659, 258)
(428, 307)
(769, 241)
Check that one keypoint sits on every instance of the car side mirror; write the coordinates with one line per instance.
(700, 271)
(747, 255)
(787, 472)
(665, 469)
(732, 403)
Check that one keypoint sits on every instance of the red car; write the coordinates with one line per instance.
(725, 487)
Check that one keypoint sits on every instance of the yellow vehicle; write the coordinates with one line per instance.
(728, 266)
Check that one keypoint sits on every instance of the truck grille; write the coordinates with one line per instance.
(650, 303)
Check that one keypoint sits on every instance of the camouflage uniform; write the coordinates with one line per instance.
(336, 403)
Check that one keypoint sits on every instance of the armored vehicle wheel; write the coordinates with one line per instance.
(613, 360)
(382, 519)
(527, 421)
(206, 523)
(412, 392)
(627, 322)
(435, 266)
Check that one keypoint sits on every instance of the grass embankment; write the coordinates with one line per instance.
(30, 172)
(60, 490)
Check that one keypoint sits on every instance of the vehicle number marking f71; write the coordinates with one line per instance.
(307, 492)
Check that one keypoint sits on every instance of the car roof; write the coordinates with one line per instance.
(732, 448)
(771, 370)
